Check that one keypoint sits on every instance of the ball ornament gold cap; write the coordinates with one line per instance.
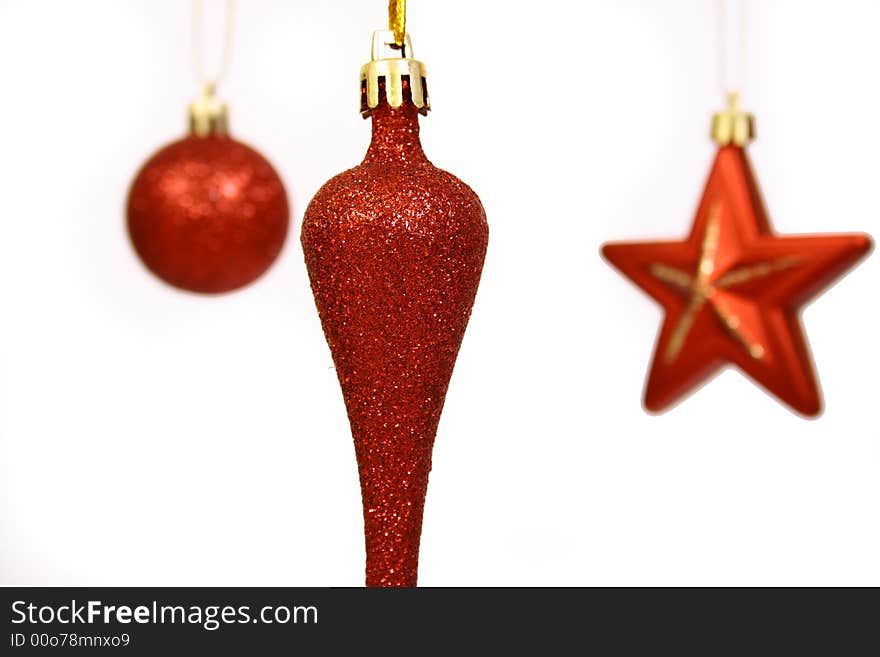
(208, 116)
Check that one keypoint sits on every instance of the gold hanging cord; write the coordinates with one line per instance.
(722, 27)
(397, 21)
(198, 20)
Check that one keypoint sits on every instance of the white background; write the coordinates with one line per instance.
(154, 437)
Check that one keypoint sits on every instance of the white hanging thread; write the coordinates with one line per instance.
(723, 28)
(207, 83)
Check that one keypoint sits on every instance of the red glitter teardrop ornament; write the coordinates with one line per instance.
(732, 291)
(207, 213)
(394, 249)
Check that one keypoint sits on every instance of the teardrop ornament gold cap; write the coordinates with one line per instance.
(208, 116)
(733, 126)
(393, 70)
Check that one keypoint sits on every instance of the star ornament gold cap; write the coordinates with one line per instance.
(733, 126)
(393, 70)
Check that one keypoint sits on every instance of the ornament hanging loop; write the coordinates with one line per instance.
(198, 20)
(723, 28)
(208, 115)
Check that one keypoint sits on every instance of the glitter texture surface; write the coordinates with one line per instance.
(207, 214)
(733, 291)
(394, 249)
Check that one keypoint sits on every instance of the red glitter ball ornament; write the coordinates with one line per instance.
(394, 249)
(732, 291)
(207, 214)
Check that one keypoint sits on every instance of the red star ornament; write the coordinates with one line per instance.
(733, 291)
